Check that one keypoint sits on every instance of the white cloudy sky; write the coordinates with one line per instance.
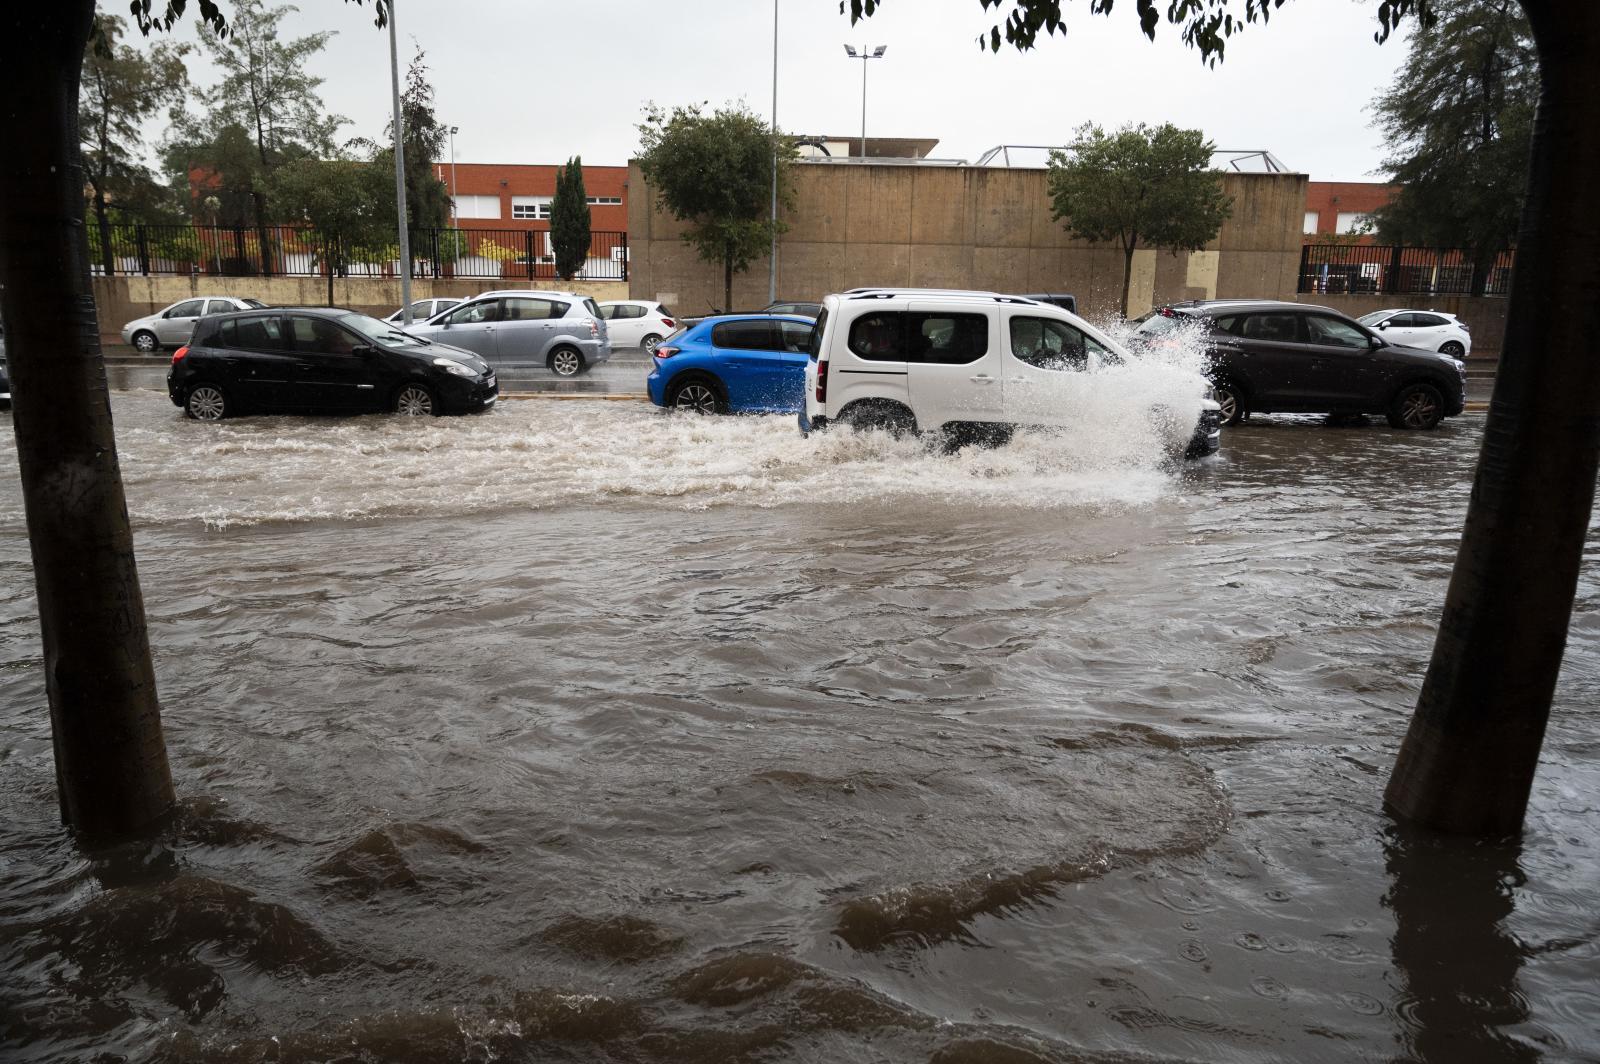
(534, 81)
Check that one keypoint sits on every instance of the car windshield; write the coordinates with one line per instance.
(1159, 324)
(253, 303)
(1375, 317)
(379, 331)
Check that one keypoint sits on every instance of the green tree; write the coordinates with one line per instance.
(1459, 120)
(1468, 761)
(112, 773)
(569, 220)
(265, 112)
(427, 198)
(121, 88)
(1139, 186)
(350, 199)
(715, 172)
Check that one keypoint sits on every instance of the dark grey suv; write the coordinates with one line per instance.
(1272, 356)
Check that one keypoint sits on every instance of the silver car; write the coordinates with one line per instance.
(423, 309)
(173, 326)
(562, 331)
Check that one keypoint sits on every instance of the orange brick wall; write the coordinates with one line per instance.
(507, 180)
(1332, 198)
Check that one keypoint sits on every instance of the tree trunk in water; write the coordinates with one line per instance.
(1468, 761)
(1127, 276)
(111, 761)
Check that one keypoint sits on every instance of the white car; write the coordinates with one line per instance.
(637, 323)
(975, 365)
(1430, 330)
(173, 326)
(423, 309)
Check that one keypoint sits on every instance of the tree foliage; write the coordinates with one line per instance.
(266, 111)
(121, 88)
(1459, 121)
(1204, 25)
(1139, 186)
(427, 197)
(569, 220)
(715, 172)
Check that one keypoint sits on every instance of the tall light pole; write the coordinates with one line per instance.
(453, 131)
(864, 55)
(400, 177)
(772, 262)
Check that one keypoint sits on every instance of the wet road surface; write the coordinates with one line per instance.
(577, 731)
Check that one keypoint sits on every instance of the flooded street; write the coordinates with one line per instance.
(579, 732)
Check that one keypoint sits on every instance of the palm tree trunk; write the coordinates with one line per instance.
(1468, 761)
(111, 761)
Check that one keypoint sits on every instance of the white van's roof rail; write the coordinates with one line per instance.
(939, 293)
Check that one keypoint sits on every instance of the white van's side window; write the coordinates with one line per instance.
(877, 337)
(1050, 344)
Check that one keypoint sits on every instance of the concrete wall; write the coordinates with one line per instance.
(121, 299)
(966, 227)
(1485, 315)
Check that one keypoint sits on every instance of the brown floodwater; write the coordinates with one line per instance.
(575, 732)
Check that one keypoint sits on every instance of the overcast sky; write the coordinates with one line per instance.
(534, 81)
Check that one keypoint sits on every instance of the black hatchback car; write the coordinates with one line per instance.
(1273, 356)
(321, 360)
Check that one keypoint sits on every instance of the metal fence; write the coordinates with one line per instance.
(1336, 269)
(291, 251)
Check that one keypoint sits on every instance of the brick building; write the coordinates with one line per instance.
(517, 196)
(1337, 207)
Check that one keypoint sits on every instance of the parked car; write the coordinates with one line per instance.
(515, 329)
(175, 324)
(321, 359)
(972, 365)
(637, 323)
(803, 309)
(1430, 330)
(735, 363)
(5, 378)
(1272, 356)
(1060, 299)
(423, 309)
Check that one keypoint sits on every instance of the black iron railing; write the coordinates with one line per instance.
(292, 251)
(1337, 269)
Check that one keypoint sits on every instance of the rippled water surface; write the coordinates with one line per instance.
(576, 732)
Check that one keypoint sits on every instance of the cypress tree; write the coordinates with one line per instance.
(569, 220)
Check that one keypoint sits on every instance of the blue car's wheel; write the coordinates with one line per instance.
(695, 395)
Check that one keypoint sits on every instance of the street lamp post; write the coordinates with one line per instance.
(772, 261)
(864, 55)
(453, 131)
(400, 177)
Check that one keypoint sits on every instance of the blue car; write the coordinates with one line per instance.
(733, 363)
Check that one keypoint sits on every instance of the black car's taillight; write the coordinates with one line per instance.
(180, 354)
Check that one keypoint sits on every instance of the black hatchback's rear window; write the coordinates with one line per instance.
(257, 334)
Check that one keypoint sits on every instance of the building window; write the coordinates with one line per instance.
(529, 208)
(1313, 219)
(605, 201)
(477, 206)
(1355, 222)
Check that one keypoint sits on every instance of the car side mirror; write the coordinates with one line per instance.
(1383, 325)
(1373, 341)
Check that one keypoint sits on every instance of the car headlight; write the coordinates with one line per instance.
(450, 365)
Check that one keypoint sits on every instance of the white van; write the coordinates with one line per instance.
(977, 364)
